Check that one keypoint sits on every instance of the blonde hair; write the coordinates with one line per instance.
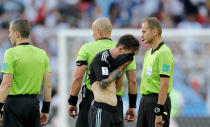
(153, 22)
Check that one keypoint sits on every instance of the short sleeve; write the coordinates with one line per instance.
(165, 63)
(101, 70)
(9, 61)
(132, 65)
(82, 56)
(47, 64)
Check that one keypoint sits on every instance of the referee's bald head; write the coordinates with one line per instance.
(104, 25)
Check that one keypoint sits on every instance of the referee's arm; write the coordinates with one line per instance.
(47, 98)
(47, 87)
(132, 94)
(163, 91)
(132, 84)
(75, 88)
(162, 95)
(77, 79)
(5, 87)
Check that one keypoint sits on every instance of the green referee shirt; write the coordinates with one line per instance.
(27, 64)
(156, 63)
(89, 50)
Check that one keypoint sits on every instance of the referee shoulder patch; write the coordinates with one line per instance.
(165, 68)
(4, 66)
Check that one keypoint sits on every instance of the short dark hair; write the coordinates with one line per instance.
(21, 25)
(129, 42)
(153, 22)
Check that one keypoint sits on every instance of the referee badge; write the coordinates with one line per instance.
(149, 71)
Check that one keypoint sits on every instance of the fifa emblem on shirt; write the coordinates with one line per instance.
(165, 68)
(105, 71)
(4, 67)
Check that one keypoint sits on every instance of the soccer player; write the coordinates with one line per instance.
(157, 78)
(105, 74)
(102, 29)
(24, 69)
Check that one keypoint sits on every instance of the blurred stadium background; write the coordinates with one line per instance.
(191, 91)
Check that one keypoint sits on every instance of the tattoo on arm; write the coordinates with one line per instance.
(115, 74)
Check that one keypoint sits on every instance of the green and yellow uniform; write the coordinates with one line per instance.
(27, 64)
(157, 63)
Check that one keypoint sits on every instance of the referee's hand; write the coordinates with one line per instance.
(1, 117)
(130, 114)
(159, 121)
(44, 118)
(0, 120)
(72, 110)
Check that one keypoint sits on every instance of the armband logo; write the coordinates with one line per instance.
(4, 67)
(165, 68)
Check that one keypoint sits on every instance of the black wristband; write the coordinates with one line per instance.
(1, 105)
(45, 107)
(1, 110)
(132, 100)
(73, 100)
(159, 109)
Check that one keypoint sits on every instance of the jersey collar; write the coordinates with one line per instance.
(25, 43)
(104, 38)
(153, 51)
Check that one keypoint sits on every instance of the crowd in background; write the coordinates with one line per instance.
(47, 17)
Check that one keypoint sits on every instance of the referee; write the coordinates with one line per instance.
(102, 29)
(157, 78)
(24, 70)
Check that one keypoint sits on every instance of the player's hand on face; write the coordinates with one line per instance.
(72, 110)
(130, 114)
(159, 121)
(44, 118)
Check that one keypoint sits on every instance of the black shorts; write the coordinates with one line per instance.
(104, 115)
(84, 106)
(146, 115)
(21, 111)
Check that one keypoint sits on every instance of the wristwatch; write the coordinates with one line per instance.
(157, 110)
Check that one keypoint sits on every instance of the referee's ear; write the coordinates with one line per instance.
(17, 34)
(155, 31)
